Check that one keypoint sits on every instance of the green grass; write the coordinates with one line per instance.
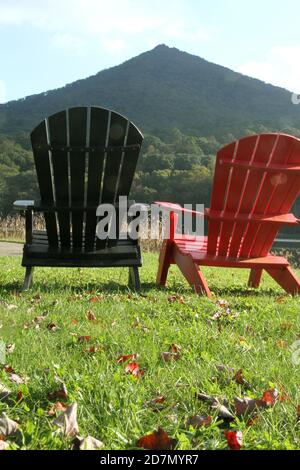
(113, 405)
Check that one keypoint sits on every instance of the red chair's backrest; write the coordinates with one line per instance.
(256, 175)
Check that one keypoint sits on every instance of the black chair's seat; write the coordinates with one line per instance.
(123, 253)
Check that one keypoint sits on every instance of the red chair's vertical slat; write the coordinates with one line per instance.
(231, 233)
(278, 194)
(220, 185)
(265, 148)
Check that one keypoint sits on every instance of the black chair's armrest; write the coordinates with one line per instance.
(140, 207)
(23, 205)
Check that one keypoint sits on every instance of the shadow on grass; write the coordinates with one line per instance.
(113, 287)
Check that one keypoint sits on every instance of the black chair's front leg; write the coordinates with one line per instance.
(28, 226)
(29, 229)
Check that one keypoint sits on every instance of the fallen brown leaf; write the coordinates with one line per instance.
(170, 356)
(17, 379)
(7, 426)
(238, 377)
(4, 392)
(10, 348)
(87, 443)
(20, 396)
(133, 368)
(61, 393)
(56, 408)
(198, 421)
(91, 316)
(158, 440)
(4, 445)
(67, 421)
(270, 397)
(52, 327)
(127, 357)
(84, 339)
(245, 405)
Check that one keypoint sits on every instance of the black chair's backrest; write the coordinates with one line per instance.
(84, 156)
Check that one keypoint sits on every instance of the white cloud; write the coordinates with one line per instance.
(69, 42)
(280, 67)
(115, 25)
(2, 92)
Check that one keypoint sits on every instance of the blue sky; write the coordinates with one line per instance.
(48, 43)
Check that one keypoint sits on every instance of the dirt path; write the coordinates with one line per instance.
(11, 249)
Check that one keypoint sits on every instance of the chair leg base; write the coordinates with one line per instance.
(134, 282)
(286, 278)
(192, 273)
(28, 278)
(255, 278)
(164, 263)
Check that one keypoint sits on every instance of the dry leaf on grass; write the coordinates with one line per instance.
(158, 440)
(198, 421)
(7, 426)
(38, 320)
(134, 369)
(4, 392)
(216, 405)
(10, 348)
(4, 445)
(95, 299)
(223, 411)
(52, 327)
(234, 439)
(84, 339)
(87, 443)
(17, 379)
(60, 393)
(11, 307)
(176, 298)
(239, 378)
(173, 354)
(56, 408)
(245, 405)
(270, 397)
(127, 357)
(67, 421)
(91, 316)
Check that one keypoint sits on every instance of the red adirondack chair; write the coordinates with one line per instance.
(256, 182)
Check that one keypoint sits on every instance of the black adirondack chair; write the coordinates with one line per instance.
(84, 156)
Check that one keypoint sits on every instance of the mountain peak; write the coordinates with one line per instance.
(161, 89)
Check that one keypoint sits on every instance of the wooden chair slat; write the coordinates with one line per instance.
(43, 170)
(58, 135)
(77, 122)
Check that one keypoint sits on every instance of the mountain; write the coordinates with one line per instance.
(163, 89)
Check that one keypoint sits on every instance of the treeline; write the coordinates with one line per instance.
(175, 167)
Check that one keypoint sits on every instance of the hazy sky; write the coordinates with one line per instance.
(47, 43)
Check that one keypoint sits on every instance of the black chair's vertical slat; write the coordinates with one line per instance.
(117, 136)
(78, 137)
(98, 132)
(58, 139)
(130, 161)
(43, 169)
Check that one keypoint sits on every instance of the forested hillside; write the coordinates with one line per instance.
(164, 89)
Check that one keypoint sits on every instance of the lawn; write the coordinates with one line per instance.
(67, 333)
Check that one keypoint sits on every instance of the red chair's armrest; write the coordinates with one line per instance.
(176, 208)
